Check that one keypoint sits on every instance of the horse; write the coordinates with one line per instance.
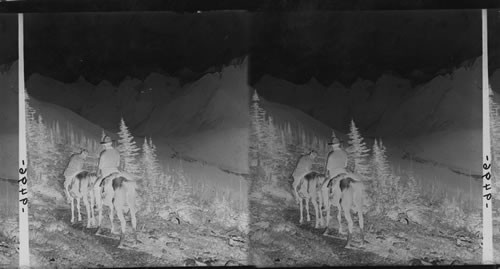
(80, 187)
(309, 189)
(304, 166)
(346, 192)
(117, 191)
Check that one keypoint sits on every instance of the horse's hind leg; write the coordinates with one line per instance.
(339, 218)
(92, 213)
(99, 209)
(316, 211)
(320, 206)
(72, 210)
(123, 224)
(346, 205)
(326, 205)
(119, 203)
(111, 218)
(301, 211)
(78, 207)
(361, 225)
(133, 211)
(307, 209)
(87, 207)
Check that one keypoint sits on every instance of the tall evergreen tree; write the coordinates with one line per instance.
(156, 168)
(149, 182)
(360, 151)
(33, 140)
(380, 167)
(258, 126)
(128, 149)
(277, 152)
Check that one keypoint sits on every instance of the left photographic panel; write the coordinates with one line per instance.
(137, 130)
(9, 141)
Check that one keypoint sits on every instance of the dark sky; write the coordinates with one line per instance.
(295, 46)
(112, 46)
(342, 46)
(8, 38)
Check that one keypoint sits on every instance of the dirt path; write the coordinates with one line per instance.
(278, 239)
(55, 242)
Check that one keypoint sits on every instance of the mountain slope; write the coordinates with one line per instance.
(450, 101)
(209, 121)
(104, 104)
(441, 144)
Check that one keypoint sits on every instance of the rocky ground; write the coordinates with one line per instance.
(55, 242)
(277, 238)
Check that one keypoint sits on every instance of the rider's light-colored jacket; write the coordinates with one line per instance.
(336, 162)
(109, 161)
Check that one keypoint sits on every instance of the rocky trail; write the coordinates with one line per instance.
(277, 238)
(55, 242)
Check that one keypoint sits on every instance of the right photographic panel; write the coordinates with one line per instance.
(366, 137)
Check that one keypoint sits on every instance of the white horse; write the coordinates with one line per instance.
(303, 167)
(345, 192)
(80, 187)
(117, 192)
(309, 188)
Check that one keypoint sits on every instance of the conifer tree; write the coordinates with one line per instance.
(33, 140)
(258, 125)
(380, 166)
(412, 191)
(156, 168)
(360, 151)
(147, 164)
(146, 159)
(128, 149)
(277, 152)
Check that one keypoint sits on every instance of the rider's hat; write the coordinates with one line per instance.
(335, 141)
(106, 140)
